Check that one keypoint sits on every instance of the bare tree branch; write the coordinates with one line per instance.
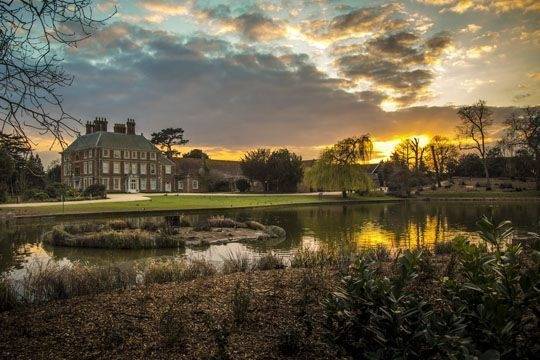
(32, 36)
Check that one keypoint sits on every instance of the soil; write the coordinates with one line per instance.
(175, 321)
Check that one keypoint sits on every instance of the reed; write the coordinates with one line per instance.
(236, 262)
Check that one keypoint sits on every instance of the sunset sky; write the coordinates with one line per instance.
(303, 74)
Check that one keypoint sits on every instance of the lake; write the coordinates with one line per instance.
(395, 225)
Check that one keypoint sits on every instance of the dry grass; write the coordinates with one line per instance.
(115, 239)
(236, 262)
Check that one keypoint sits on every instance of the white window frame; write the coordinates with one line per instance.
(142, 168)
(105, 167)
(168, 169)
(153, 184)
(195, 184)
(105, 153)
(116, 167)
(126, 154)
(117, 154)
(153, 169)
(153, 156)
(143, 155)
(116, 184)
(134, 168)
(142, 184)
(85, 168)
(180, 185)
(90, 167)
(134, 155)
(127, 167)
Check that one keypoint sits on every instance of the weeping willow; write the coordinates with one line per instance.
(328, 175)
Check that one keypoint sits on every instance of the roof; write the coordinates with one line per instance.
(111, 140)
(192, 166)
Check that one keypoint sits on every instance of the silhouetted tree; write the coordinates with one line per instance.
(524, 131)
(167, 138)
(285, 170)
(474, 128)
(196, 154)
(254, 165)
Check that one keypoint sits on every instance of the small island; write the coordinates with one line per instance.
(174, 232)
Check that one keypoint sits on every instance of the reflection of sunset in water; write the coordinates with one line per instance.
(348, 227)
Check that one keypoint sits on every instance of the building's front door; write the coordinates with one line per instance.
(167, 187)
(133, 185)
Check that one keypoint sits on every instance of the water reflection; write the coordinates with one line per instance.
(396, 225)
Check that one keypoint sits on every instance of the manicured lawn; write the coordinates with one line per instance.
(481, 194)
(173, 202)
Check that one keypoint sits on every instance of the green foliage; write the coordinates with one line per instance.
(329, 175)
(279, 170)
(484, 308)
(95, 190)
(242, 185)
(35, 195)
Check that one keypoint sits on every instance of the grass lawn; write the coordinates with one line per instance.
(172, 202)
(481, 194)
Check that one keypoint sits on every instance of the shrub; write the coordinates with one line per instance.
(149, 225)
(52, 281)
(35, 194)
(95, 190)
(165, 271)
(269, 261)
(237, 262)
(198, 268)
(242, 185)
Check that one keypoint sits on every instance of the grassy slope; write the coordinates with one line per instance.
(172, 202)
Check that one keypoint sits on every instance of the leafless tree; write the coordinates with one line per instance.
(524, 131)
(442, 152)
(473, 130)
(32, 37)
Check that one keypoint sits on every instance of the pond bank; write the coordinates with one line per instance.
(163, 205)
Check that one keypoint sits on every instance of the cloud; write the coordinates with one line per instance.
(499, 6)
(397, 64)
(471, 28)
(356, 23)
(522, 96)
(534, 75)
(257, 27)
(231, 97)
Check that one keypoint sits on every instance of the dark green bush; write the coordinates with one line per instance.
(486, 307)
(95, 190)
(35, 195)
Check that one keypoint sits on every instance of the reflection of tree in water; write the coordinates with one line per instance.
(15, 242)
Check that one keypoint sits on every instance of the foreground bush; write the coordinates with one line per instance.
(484, 304)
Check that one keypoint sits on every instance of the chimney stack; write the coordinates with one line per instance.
(120, 128)
(130, 125)
(100, 124)
(89, 127)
